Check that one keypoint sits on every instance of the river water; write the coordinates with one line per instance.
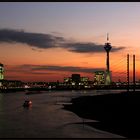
(46, 118)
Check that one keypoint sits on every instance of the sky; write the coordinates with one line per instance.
(47, 41)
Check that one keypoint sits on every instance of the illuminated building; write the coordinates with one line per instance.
(76, 79)
(84, 79)
(99, 77)
(67, 79)
(1, 71)
(12, 84)
(108, 75)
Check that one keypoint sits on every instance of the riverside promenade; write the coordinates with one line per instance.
(47, 118)
(116, 113)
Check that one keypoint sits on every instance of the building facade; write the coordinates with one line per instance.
(76, 79)
(99, 77)
(1, 71)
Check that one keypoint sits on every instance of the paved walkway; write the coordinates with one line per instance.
(65, 124)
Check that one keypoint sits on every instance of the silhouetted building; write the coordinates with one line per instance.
(76, 78)
(99, 77)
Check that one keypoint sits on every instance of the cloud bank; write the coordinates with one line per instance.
(39, 68)
(46, 41)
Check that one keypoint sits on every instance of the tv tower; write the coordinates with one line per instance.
(107, 47)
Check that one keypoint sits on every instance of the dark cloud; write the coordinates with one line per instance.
(40, 68)
(46, 41)
(27, 69)
(43, 73)
(89, 48)
(33, 39)
(34, 49)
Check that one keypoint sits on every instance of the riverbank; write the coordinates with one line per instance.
(116, 113)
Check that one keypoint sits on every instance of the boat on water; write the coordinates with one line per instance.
(27, 103)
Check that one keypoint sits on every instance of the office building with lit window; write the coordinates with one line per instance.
(99, 77)
(84, 79)
(1, 71)
(76, 79)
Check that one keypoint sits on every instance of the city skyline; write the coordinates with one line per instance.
(47, 41)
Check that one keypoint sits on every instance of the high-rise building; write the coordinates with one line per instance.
(99, 77)
(76, 78)
(108, 75)
(1, 71)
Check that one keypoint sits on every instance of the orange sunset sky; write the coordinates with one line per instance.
(47, 41)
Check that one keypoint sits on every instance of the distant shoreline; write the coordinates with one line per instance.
(63, 88)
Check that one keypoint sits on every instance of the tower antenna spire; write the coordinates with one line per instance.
(107, 37)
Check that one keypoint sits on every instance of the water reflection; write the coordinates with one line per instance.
(43, 118)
